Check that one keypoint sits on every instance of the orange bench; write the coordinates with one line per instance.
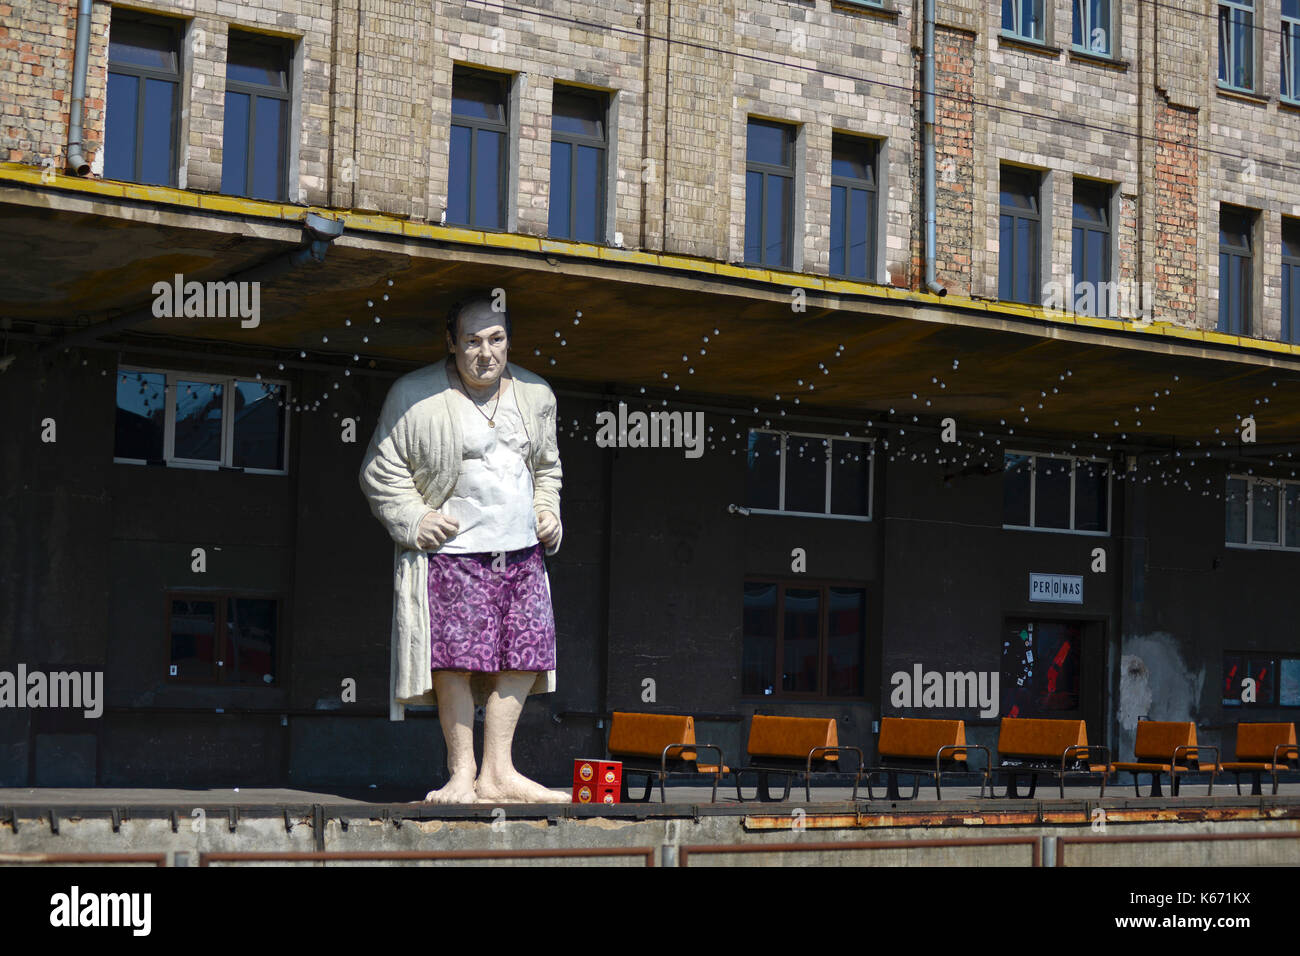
(790, 746)
(1035, 745)
(659, 745)
(923, 747)
(1167, 746)
(1263, 748)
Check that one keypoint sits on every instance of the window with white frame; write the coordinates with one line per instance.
(1291, 50)
(1237, 44)
(1092, 27)
(197, 420)
(1023, 19)
(1263, 512)
(808, 474)
(1056, 493)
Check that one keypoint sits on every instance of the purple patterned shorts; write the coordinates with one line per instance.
(485, 619)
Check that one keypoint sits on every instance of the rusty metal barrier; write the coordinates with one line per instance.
(1033, 842)
(156, 859)
(645, 852)
(1063, 841)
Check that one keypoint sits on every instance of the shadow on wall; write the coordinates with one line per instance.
(1156, 683)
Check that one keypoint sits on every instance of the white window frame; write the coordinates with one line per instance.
(227, 419)
(870, 444)
(1249, 544)
(1033, 457)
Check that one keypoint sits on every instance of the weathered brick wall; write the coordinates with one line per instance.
(37, 47)
(1174, 210)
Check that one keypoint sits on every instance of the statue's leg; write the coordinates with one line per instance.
(456, 714)
(499, 781)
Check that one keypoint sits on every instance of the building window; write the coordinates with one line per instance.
(255, 139)
(1023, 19)
(476, 189)
(1091, 253)
(578, 143)
(1092, 27)
(1263, 512)
(1235, 228)
(853, 207)
(189, 419)
(221, 637)
(142, 100)
(1237, 44)
(1018, 237)
(1056, 493)
(1291, 50)
(1260, 679)
(803, 640)
(802, 474)
(769, 194)
(1291, 279)
(1041, 668)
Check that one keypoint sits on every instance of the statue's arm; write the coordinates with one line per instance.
(388, 477)
(547, 473)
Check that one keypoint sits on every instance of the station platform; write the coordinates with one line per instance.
(330, 827)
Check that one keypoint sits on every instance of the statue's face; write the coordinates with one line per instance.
(480, 352)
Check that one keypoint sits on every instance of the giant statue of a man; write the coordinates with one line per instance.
(463, 471)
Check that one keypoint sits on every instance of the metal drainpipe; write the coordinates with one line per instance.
(927, 83)
(76, 159)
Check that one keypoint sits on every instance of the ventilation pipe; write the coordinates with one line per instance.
(927, 107)
(76, 158)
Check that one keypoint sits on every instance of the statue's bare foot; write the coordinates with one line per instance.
(514, 787)
(459, 789)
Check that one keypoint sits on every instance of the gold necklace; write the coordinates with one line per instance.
(491, 420)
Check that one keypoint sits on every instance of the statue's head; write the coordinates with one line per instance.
(478, 337)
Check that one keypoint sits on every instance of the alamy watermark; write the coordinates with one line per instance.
(1123, 299)
(80, 690)
(651, 430)
(945, 689)
(208, 300)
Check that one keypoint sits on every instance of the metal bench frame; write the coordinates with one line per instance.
(768, 765)
(645, 765)
(892, 793)
(1075, 751)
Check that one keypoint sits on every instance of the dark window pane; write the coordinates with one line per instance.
(1009, 16)
(1019, 191)
(1090, 496)
(1234, 672)
(1289, 682)
(850, 471)
(1090, 203)
(489, 152)
(1291, 520)
(753, 217)
(1006, 257)
(1026, 251)
(478, 98)
(120, 127)
(1291, 8)
(148, 45)
(1040, 668)
(1291, 235)
(260, 63)
(852, 159)
(777, 224)
(1052, 493)
(561, 177)
(198, 420)
(839, 205)
(1290, 304)
(458, 181)
(1097, 271)
(1077, 35)
(859, 219)
(234, 149)
(259, 426)
(1264, 512)
(1015, 489)
(577, 114)
(588, 186)
(768, 143)
(758, 670)
(141, 414)
(801, 637)
(1262, 671)
(193, 639)
(763, 471)
(251, 630)
(156, 156)
(845, 640)
(1234, 229)
(805, 474)
(268, 149)
(1236, 511)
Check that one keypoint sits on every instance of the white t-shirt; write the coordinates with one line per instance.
(493, 497)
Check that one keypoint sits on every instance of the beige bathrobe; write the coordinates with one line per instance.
(410, 469)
